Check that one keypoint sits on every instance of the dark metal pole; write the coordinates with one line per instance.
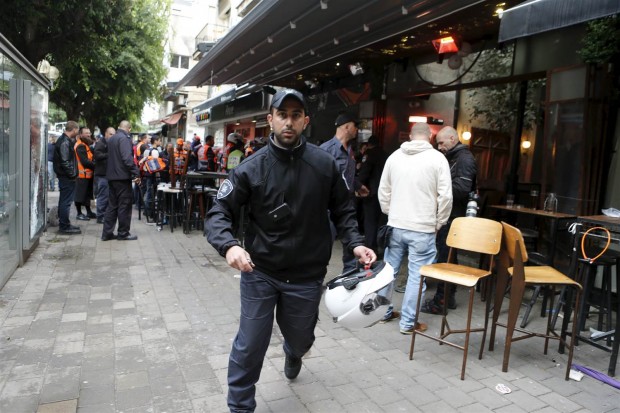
(513, 177)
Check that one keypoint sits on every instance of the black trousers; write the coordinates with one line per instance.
(442, 256)
(296, 309)
(119, 208)
(373, 219)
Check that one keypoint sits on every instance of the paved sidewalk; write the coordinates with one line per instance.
(147, 325)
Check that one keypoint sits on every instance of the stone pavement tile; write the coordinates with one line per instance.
(310, 392)
(218, 361)
(132, 380)
(490, 398)
(531, 386)
(595, 403)
(560, 402)
(99, 328)
(157, 370)
(65, 360)
(364, 378)
(275, 390)
(160, 351)
(24, 387)
(18, 404)
(205, 388)
(172, 402)
(455, 397)
(197, 371)
(18, 321)
(130, 359)
(127, 340)
(26, 371)
(66, 406)
(60, 384)
(323, 406)
(68, 347)
(474, 408)
(96, 395)
(69, 317)
(72, 336)
(71, 326)
(167, 385)
(214, 404)
(511, 408)
(318, 364)
(98, 361)
(432, 381)
(138, 397)
(397, 380)
(347, 393)
(97, 378)
(383, 394)
(526, 401)
(560, 386)
(548, 409)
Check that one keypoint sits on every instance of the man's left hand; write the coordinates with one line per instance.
(365, 255)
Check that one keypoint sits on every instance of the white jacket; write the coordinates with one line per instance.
(416, 189)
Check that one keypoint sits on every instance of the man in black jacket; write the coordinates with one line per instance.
(65, 166)
(121, 170)
(101, 167)
(463, 173)
(288, 188)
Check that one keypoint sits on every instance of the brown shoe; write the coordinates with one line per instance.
(395, 315)
(421, 327)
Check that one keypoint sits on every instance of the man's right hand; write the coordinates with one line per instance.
(239, 259)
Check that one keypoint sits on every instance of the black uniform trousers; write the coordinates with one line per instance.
(119, 208)
(296, 308)
(373, 219)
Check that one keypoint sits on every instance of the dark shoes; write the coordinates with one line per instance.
(435, 305)
(83, 217)
(127, 237)
(292, 367)
(108, 237)
(99, 220)
(91, 215)
(70, 231)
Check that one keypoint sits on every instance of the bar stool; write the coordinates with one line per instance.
(172, 206)
(609, 339)
(195, 198)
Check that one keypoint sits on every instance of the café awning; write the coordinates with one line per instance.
(279, 38)
(537, 16)
(172, 119)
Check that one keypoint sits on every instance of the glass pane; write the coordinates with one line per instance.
(9, 255)
(38, 148)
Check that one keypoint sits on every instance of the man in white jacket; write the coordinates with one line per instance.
(415, 193)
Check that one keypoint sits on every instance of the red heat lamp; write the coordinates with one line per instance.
(445, 45)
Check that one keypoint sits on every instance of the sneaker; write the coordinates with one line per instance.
(83, 217)
(127, 237)
(400, 289)
(395, 315)
(421, 327)
(432, 307)
(292, 367)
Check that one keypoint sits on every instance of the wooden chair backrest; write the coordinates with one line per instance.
(512, 238)
(475, 234)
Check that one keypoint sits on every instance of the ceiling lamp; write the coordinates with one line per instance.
(425, 119)
(356, 69)
(323, 4)
(445, 45)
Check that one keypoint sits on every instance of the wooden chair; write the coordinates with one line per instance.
(478, 235)
(511, 268)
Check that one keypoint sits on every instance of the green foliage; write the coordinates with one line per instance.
(602, 41)
(496, 106)
(109, 52)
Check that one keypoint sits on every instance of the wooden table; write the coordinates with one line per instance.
(553, 217)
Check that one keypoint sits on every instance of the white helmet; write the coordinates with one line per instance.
(360, 298)
(234, 137)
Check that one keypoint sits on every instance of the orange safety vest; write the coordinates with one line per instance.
(180, 159)
(83, 172)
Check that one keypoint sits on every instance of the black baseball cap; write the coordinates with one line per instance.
(282, 94)
(346, 118)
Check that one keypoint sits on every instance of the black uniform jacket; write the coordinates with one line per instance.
(120, 165)
(293, 243)
(65, 165)
(463, 173)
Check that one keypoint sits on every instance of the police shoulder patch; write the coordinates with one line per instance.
(225, 189)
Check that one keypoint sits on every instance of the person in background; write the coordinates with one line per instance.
(463, 174)
(51, 176)
(86, 167)
(416, 194)
(101, 165)
(369, 175)
(340, 147)
(65, 167)
(233, 153)
(282, 270)
(121, 172)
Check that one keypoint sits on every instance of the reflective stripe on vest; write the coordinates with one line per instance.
(83, 172)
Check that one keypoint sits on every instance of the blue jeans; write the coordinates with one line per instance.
(296, 309)
(421, 250)
(65, 199)
(102, 195)
(51, 175)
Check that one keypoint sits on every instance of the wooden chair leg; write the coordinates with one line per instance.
(571, 347)
(417, 311)
(470, 308)
(488, 289)
(516, 295)
(500, 289)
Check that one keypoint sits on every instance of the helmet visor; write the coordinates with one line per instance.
(375, 300)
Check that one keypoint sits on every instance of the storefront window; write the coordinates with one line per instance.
(38, 146)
